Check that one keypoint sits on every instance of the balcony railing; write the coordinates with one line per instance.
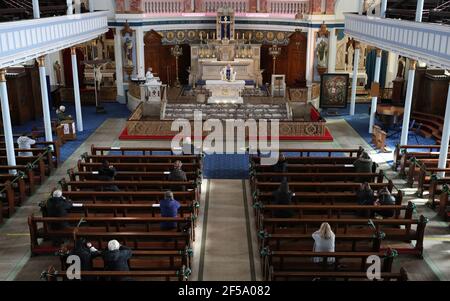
(239, 6)
(163, 6)
(426, 42)
(287, 7)
(29, 39)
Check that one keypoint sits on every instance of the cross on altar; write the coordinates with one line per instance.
(226, 20)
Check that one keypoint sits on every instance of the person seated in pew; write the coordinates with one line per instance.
(116, 258)
(24, 142)
(169, 208)
(365, 197)
(363, 164)
(86, 252)
(61, 114)
(283, 196)
(57, 206)
(324, 241)
(360, 152)
(385, 198)
(107, 172)
(177, 174)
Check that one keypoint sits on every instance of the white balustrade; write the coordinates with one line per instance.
(163, 7)
(426, 42)
(239, 6)
(288, 7)
(29, 39)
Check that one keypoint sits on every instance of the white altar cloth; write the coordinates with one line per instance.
(225, 91)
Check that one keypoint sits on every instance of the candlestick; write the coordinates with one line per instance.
(207, 35)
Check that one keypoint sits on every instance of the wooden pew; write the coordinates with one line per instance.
(402, 155)
(128, 185)
(444, 207)
(8, 201)
(320, 186)
(103, 150)
(310, 152)
(179, 275)
(54, 145)
(320, 177)
(47, 154)
(390, 227)
(30, 177)
(358, 276)
(37, 164)
(129, 175)
(312, 160)
(143, 167)
(416, 165)
(18, 185)
(302, 261)
(130, 197)
(311, 168)
(141, 159)
(90, 226)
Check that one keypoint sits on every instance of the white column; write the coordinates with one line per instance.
(408, 102)
(76, 90)
(383, 8)
(258, 6)
(118, 60)
(310, 58)
(376, 79)
(45, 105)
(192, 5)
(419, 10)
(36, 11)
(140, 59)
(361, 7)
(7, 129)
(355, 78)
(77, 6)
(91, 6)
(332, 51)
(69, 7)
(445, 137)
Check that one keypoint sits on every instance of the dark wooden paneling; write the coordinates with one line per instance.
(291, 61)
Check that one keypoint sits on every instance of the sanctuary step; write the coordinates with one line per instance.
(228, 111)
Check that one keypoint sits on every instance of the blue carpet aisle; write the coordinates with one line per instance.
(91, 121)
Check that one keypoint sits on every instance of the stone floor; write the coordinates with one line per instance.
(225, 247)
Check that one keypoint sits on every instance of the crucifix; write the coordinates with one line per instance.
(97, 66)
(226, 20)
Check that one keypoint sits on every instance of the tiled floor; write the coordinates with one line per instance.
(230, 229)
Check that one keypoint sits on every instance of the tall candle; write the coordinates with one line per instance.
(207, 35)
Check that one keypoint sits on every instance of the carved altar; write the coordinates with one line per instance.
(225, 91)
(225, 48)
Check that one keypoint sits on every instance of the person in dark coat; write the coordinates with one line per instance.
(177, 174)
(282, 196)
(363, 164)
(107, 172)
(86, 252)
(116, 258)
(365, 196)
(58, 206)
(385, 198)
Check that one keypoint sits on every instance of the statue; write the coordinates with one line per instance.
(228, 74)
(129, 51)
(57, 69)
(401, 66)
(322, 54)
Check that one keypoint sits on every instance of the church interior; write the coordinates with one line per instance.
(117, 148)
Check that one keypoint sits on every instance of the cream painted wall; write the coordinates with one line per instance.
(50, 59)
(345, 6)
(107, 5)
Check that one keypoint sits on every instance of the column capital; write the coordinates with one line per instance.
(379, 52)
(356, 44)
(2, 75)
(73, 50)
(412, 64)
(41, 61)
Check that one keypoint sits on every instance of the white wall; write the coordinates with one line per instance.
(345, 6)
(50, 59)
(107, 5)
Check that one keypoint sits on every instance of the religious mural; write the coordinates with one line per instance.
(334, 90)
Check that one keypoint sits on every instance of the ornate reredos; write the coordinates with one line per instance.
(225, 24)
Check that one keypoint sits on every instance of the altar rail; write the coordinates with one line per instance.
(426, 42)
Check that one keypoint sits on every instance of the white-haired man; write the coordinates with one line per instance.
(116, 258)
(61, 114)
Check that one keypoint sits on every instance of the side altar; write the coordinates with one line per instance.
(225, 48)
